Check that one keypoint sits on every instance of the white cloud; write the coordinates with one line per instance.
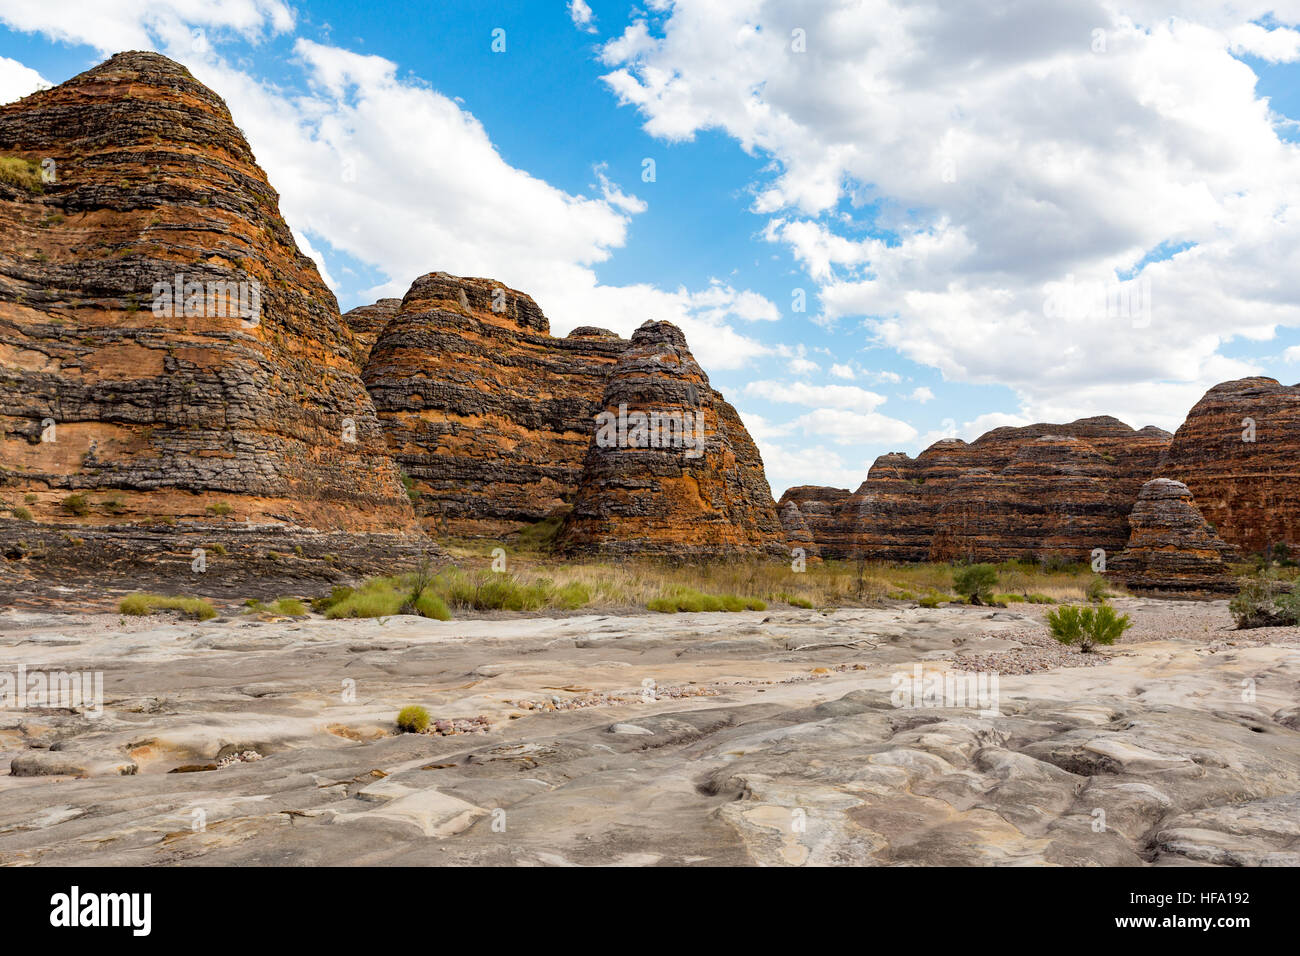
(921, 394)
(847, 397)
(854, 428)
(1002, 153)
(803, 366)
(842, 371)
(1292, 354)
(582, 16)
(17, 81)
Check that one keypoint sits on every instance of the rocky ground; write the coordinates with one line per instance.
(752, 738)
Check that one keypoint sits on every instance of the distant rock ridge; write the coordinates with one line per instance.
(1039, 490)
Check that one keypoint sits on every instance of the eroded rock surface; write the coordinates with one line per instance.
(1037, 491)
(752, 738)
(1239, 453)
(1171, 546)
(244, 397)
(672, 472)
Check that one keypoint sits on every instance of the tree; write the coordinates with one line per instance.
(1087, 626)
(975, 582)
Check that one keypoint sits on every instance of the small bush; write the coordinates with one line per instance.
(1096, 591)
(799, 602)
(22, 514)
(930, 600)
(975, 582)
(688, 599)
(76, 505)
(1037, 598)
(1009, 599)
(140, 604)
(218, 548)
(220, 508)
(431, 606)
(413, 720)
(1263, 601)
(1087, 626)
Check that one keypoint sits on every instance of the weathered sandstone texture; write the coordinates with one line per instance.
(494, 421)
(700, 494)
(1248, 490)
(797, 532)
(366, 323)
(1171, 547)
(486, 412)
(233, 407)
(771, 738)
(818, 507)
(1042, 490)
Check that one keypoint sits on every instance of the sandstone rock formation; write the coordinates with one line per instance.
(1239, 453)
(1039, 490)
(233, 393)
(493, 421)
(366, 323)
(1171, 547)
(817, 506)
(670, 469)
(487, 413)
(797, 532)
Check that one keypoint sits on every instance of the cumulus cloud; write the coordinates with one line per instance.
(17, 81)
(842, 371)
(921, 394)
(936, 167)
(581, 15)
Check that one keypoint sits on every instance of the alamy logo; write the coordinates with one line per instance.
(72, 690)
(217, 299)
(655, 429)
(923, 689)
(133, 910)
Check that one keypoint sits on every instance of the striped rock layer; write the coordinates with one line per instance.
(140, 405)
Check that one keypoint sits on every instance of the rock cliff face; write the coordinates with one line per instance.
(366, 323)
(1248, 490)
(486, 412)
(1041, 489)
(131, 395)
(1171, 547)
(817, 506)
(670, 469)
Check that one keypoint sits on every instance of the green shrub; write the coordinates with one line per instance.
(413, 720)
(22, 514)
(1009, 599)
(76, 505)
(1263, 601)
(1087, 626)
(337, 594)
(140, 604)
(975, 582)
(688, 599)
(1096, 591)
(220, 508)
(218, 548)
(799, 602)
(930, 600)
(1037, 598)
(432, 606)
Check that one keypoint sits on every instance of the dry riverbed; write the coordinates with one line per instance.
(758, 737)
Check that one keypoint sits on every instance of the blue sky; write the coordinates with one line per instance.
(926, 175)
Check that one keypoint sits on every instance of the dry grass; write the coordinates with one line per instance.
(635, 583)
